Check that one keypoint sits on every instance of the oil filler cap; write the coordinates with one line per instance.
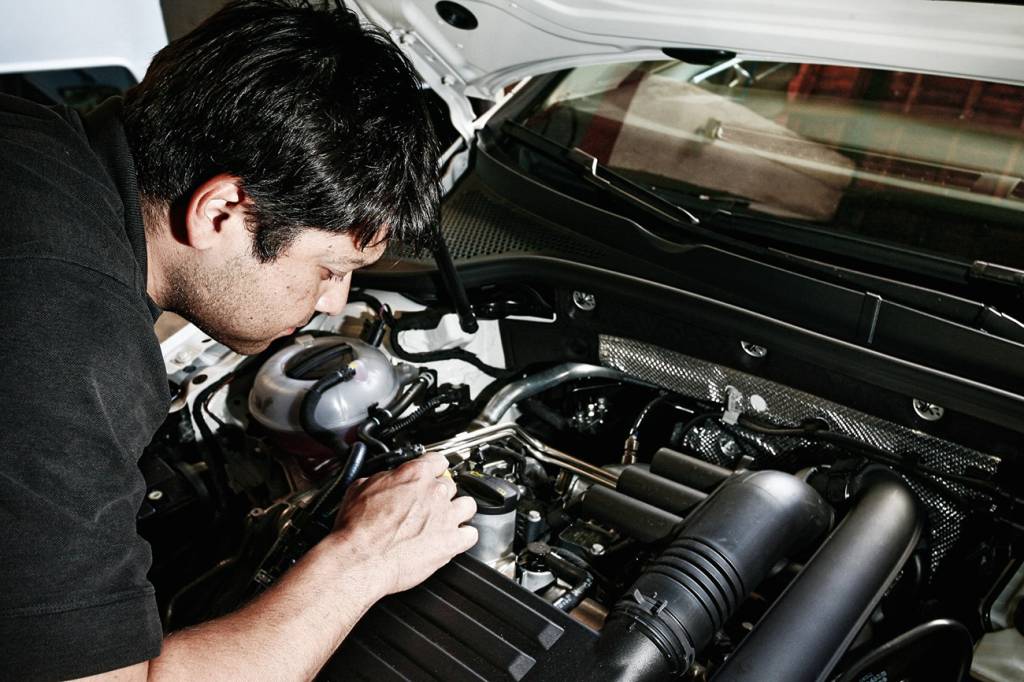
(493, 495)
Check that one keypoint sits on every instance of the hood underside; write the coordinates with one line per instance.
(474, 48)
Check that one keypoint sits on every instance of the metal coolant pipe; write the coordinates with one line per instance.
(809, 628)
(512, 393)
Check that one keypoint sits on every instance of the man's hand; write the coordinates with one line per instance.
(394, 529)
(405, 522)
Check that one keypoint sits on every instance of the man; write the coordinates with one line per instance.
(264, 157)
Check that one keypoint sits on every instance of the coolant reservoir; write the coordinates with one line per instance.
(282, 382)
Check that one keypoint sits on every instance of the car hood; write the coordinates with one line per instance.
(475, 48)
(69, 34)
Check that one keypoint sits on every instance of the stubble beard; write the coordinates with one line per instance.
(214, 302)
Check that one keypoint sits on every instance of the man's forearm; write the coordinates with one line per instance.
(289, 631)
(394, 529)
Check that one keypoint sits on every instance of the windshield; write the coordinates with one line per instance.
(925, 162)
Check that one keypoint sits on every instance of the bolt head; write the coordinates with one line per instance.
(930, 412)
(584, 300)
(753, 350)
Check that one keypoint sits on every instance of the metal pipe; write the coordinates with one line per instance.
(460, 445)
(512, 393)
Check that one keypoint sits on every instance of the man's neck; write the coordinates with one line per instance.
(157, 230)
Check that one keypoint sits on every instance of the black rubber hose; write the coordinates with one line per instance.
(573, 570)
(421, 383)
(428, 405)
(720, 554)
(807, 630)
(367, 433)
(636, 519)
(209, 447)
(307, 410)
(322, 510)
(661, 492)
(688, 470)
(430, 319)
(937, 651)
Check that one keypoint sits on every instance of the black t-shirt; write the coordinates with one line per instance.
(82, 391)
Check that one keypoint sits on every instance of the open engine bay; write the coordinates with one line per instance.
(643, 514)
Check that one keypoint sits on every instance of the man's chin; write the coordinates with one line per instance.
(251, 347)
(247, 347)
(244, 346)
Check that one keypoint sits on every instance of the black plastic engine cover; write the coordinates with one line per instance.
(467, 622)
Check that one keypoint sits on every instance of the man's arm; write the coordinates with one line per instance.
(394, 530)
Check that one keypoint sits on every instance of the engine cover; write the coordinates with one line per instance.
(467, 622)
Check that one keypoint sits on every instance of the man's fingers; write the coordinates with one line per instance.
(466, 537)
(446, 487)
(428, 466)
(463, 509)
(436, 464)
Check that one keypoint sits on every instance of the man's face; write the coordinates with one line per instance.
(246, 304)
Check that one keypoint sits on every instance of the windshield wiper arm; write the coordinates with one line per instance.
(626, 189)
(594, 173)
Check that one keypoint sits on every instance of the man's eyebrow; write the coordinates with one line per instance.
(349, 262)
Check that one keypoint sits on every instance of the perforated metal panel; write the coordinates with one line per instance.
(478, 223)
(706, 381)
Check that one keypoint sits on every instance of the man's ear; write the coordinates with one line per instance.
(216, 212)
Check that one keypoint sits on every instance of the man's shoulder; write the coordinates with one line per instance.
(29, 130)
(18, 110)
(57, 199)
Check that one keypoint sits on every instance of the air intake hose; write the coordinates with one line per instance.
(812, 624)
(727, 545)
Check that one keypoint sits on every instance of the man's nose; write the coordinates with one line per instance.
(333, 295)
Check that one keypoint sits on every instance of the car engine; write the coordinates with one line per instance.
(646, 516)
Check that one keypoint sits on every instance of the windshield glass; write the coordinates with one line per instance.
(926, 162)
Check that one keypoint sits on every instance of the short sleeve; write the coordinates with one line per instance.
(81, 395)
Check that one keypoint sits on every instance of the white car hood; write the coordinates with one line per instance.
(519, 38)
(43, 35)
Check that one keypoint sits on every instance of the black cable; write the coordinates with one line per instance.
(816, 431)
(430, 319)
(643, 412)
(442, 398)
(209, 447)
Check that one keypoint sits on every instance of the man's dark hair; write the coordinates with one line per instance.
(321, 118)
